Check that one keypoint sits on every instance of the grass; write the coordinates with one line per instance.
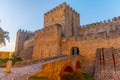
(38, 78)
(76, 75)
(4, 61)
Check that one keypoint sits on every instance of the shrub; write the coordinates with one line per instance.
(77, 75)
(4, 61)
(73, 76)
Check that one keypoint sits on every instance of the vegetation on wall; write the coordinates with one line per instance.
(73, 76)
(76, 75)
(87, 76)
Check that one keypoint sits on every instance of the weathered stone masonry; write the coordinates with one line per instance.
(22, 40)
(107, 66)
(47, 42)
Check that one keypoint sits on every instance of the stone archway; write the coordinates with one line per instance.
(75, 51)
(67, 69)
(66, 72)
(78, 65)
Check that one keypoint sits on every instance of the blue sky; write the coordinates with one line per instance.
(28, 14)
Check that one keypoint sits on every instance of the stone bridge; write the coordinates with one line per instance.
(52, 69)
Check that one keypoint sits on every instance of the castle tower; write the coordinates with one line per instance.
(64, 16)
(21, 37)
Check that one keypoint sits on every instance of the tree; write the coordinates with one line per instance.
(3, 36)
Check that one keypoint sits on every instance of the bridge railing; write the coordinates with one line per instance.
(29, 62)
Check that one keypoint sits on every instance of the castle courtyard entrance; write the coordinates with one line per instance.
(75, 51)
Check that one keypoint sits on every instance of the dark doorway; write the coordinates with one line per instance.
(75, 51)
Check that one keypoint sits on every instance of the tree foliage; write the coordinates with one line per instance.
(4, 35)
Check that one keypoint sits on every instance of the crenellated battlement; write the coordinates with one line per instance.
(26, 32)
(102, 26)
(73, 10)
(102, 23)
(63, 5)
(106, 29)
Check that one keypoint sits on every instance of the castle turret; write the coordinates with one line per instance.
(21, 37)
(64, 16)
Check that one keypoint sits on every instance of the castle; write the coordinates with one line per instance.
(63, 35)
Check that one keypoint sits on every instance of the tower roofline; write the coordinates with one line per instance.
(64, 4)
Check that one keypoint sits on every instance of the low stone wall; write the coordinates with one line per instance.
(27, 62)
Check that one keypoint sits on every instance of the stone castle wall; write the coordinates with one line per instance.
(72, 22)
(29, 42)
(27, 52)
(21, 37)
(47, 42)
(87, 49)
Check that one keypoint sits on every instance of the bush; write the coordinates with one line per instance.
(4, 61)
(73, 76)
(77, 75)
(16, 60)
